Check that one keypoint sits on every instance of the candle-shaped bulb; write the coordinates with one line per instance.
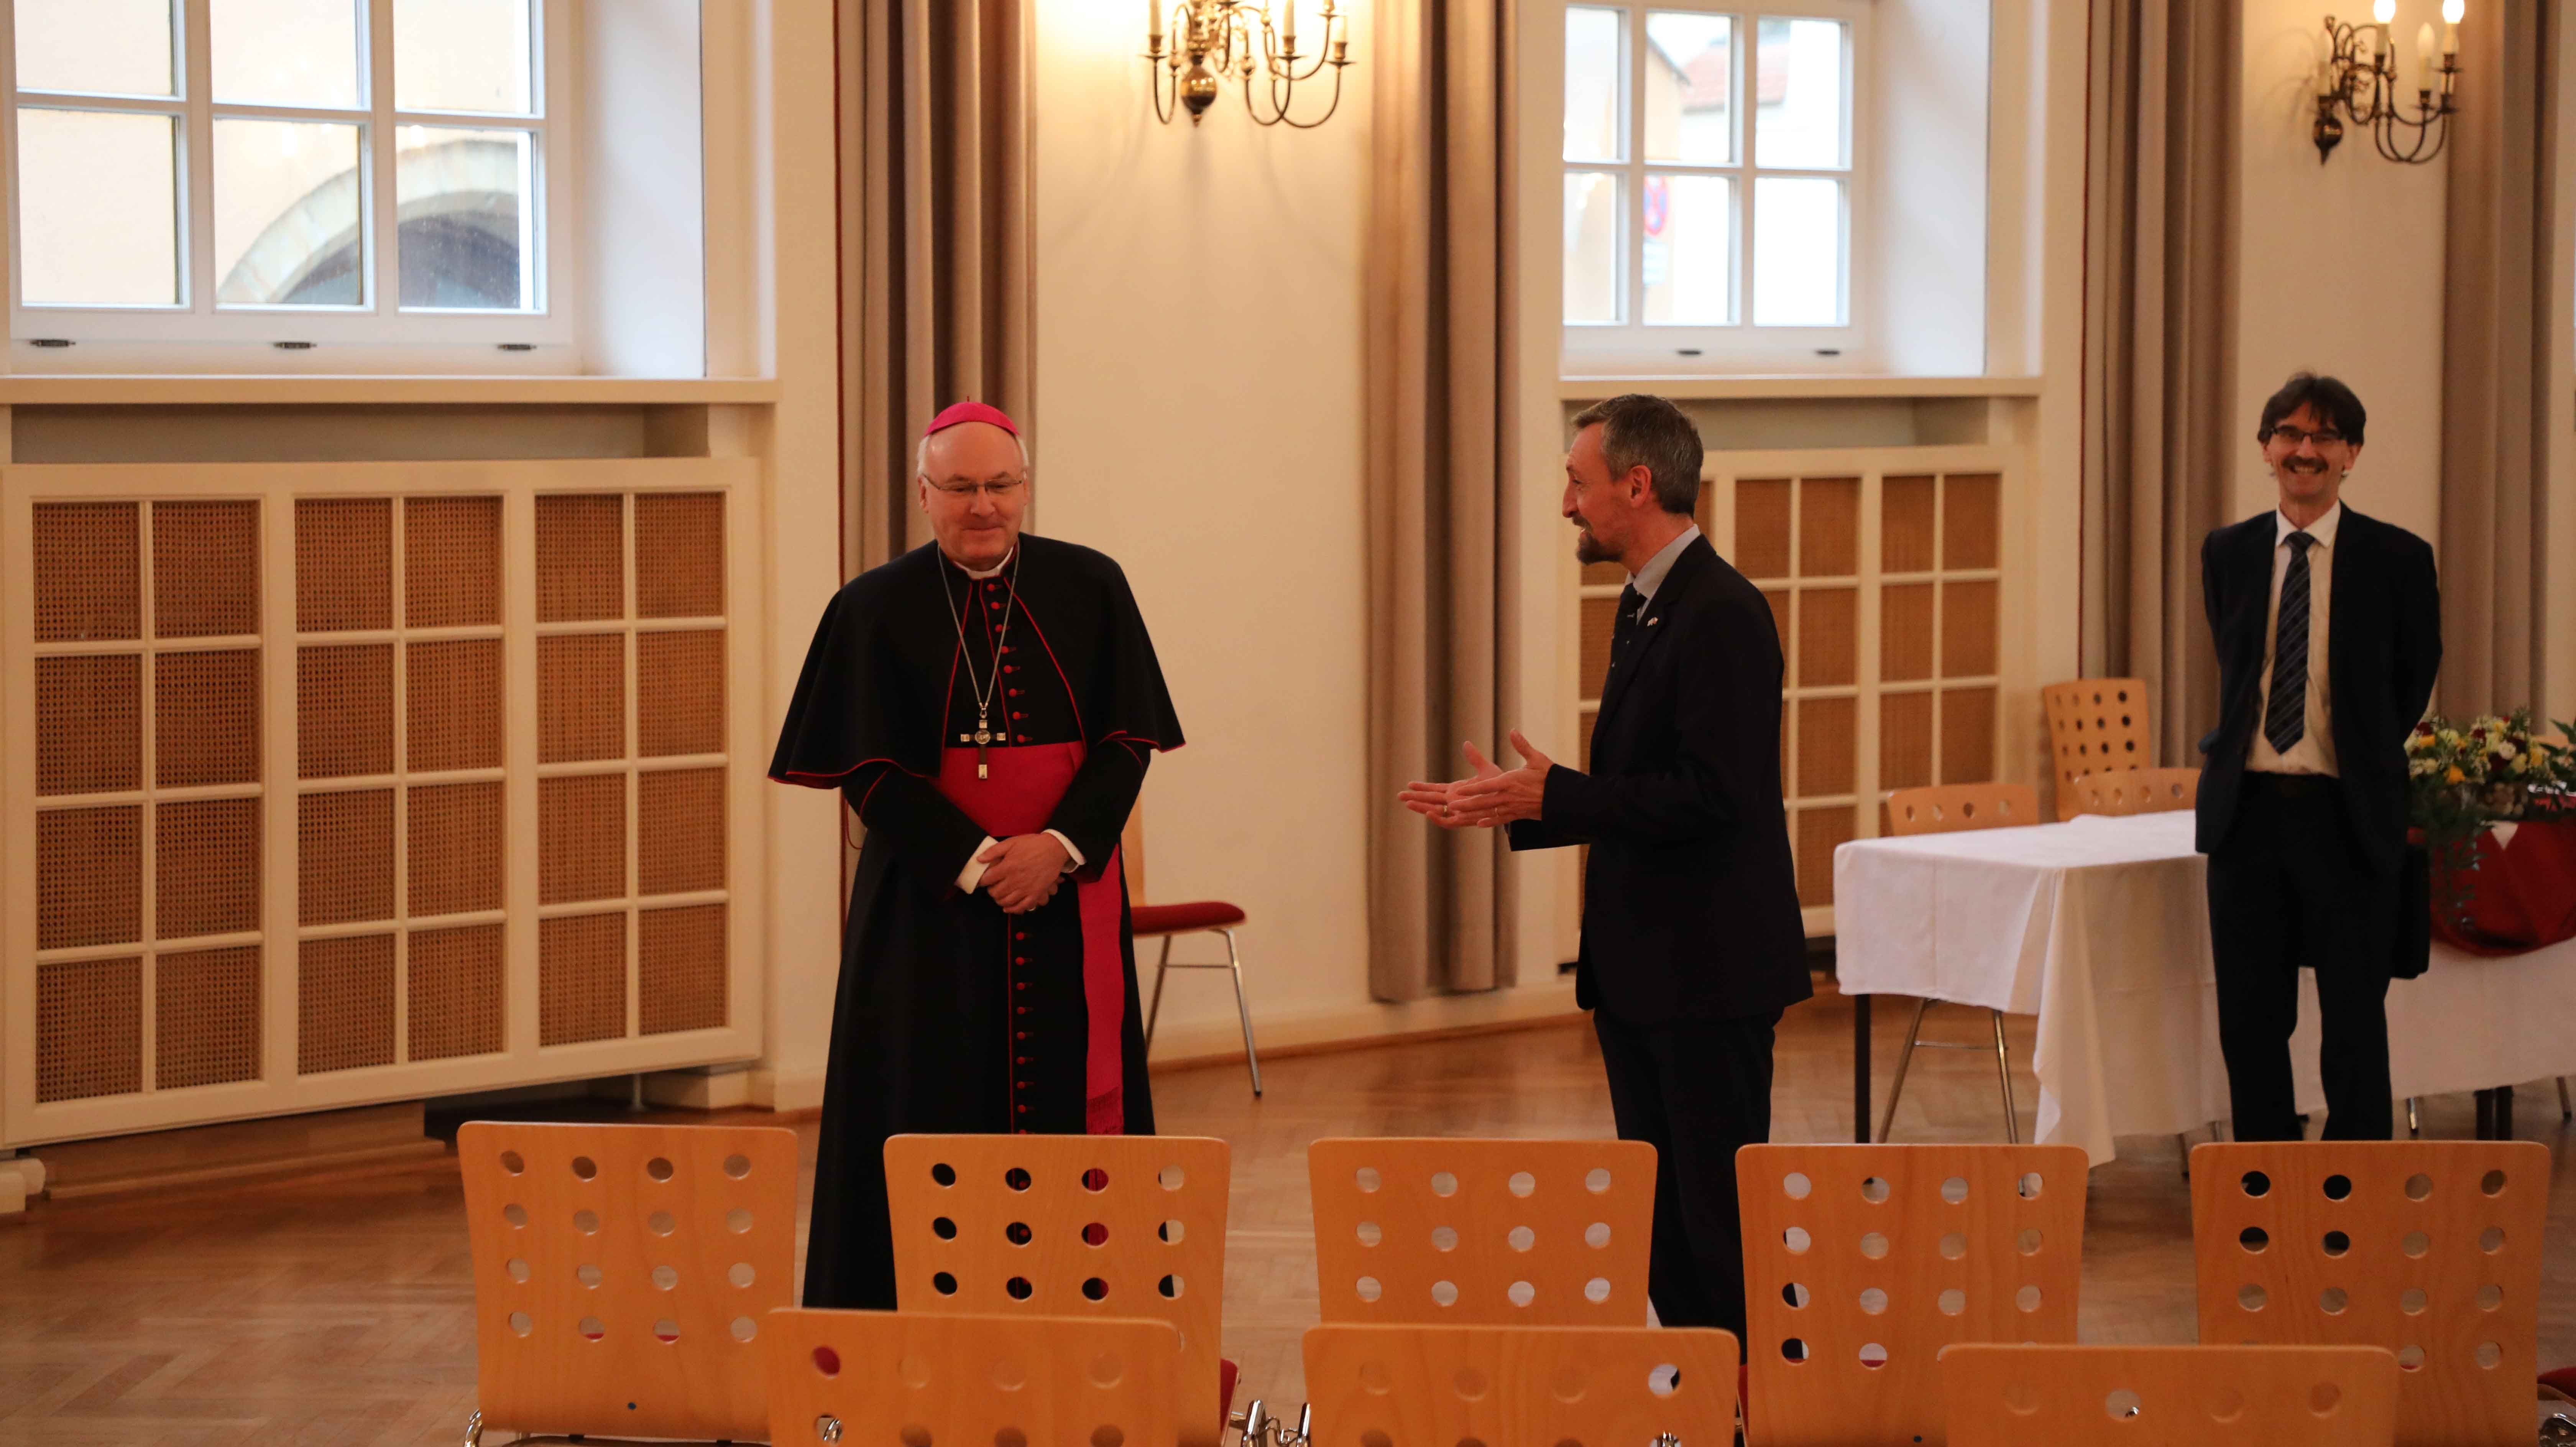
(2452, 10)
(2424, 44)
(1154, 23)
(2384, 11)
(1288, 27)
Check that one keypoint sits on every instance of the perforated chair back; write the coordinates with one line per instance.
(2096, 726)
(2137, 791)
(1948, 808)
(1862, 1262)
(2048, 1396)
(1490, 1232)
(1070, 1225)
(2428, 1248)
(1571, 1386)
(623, 1272)
(898, 1377)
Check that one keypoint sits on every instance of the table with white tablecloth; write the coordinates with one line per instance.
(2100, 928)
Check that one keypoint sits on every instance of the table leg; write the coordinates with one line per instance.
(2504, 1113)
(1860, 1069)
(2486, 1113)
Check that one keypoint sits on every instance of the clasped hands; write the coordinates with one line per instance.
(1023, 872)
(1493, 795)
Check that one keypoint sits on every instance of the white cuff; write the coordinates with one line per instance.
(1073, 859)
(973, 873)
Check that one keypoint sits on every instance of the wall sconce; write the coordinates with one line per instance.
(1224, 40)
(2359, 79)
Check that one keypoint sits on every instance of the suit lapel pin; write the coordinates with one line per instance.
(1651, 622)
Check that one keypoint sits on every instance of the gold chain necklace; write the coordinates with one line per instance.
(982, 737)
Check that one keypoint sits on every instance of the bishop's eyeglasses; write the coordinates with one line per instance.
(998, 491)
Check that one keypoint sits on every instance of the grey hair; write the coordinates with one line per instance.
(921, 451)
(1639, 427)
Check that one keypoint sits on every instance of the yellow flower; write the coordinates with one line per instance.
(2456, 776)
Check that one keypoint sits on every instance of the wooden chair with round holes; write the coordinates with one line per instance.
(2428, 1248)
(1593, 1385)
(1861, 1262)
(2046, 1396)
(1949, 809)
(623, 1272)
(2095, 726)
(1482, 1232)
(887, 1377)
(2137, 791)
(1070, 1225)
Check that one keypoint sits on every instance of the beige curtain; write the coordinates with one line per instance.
(2495, 338)
(1438, 397)
(2159, 342)
(936, 299)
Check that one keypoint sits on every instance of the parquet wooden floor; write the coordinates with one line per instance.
(339, 1311)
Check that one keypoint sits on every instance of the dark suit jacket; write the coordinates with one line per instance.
(1690, 908)
(2383, 647)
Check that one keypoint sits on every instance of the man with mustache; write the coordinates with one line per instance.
(2328, 626)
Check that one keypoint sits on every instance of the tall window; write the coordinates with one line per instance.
(331, 171)
(1698, 225)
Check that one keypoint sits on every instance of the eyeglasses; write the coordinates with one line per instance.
(966, 491)
(2292, 436)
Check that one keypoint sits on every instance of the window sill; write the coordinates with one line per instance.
(59, 390)
(1786, 386)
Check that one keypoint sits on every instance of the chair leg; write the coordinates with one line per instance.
(1896, 1087)
(1251, 1057)
(2565, 1111)
(2182, 1140)
(1154, 1011)
(2414, 1120)
(2003, 1075)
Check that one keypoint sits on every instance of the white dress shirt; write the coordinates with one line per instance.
(973, 874)
(1650, 577)
(2314, 752)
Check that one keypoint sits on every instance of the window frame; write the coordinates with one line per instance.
(379, 322)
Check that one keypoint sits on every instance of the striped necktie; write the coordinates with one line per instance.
(2285, 719)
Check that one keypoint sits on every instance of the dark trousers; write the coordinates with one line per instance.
(2289, 889)
(1695, 1090)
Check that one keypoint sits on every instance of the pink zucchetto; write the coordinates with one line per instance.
(964, 412)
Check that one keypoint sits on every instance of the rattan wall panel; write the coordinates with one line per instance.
(457, 851)
(205, 718)
(680, 969)
(1905, 525)
(1967, 735)
(451, 561)
(344, 711)
(1612, 573)
(1828, 730)
(581, 838)
(344, 1004)
(89, 877)
(345, 856)
(344, 564)
(1828, 527)
(581, 978)
(206, 867)
(1904, 740)
(1971, 520)
(1819, 831)
(452, 697)
(1828, 636)
(205, 1018)
(1762, 527)
(1904, 631)
(680, 831)
(1600, 619)
(205, 569)
(88, 571)
(89, 723)
(456, 993)
(89, 1029)
(581, 697)
(679, 555)
(1967, 629)
(581, 557)
(679, 693)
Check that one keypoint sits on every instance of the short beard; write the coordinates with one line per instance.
(1590, 549)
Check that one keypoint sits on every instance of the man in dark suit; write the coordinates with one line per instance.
(1692, 942)
(2328, 626)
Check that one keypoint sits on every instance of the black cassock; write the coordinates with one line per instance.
(952, 1016)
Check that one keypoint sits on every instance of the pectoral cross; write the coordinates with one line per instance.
(982, 739)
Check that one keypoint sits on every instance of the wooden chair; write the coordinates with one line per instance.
(1164, 921)
(1482, 1232)
(2137, 791)
(889, 1377)
(1631, 1386)
(1862, 1262)
(1095, 1227)
(622, 1273)
(1947, 809)
(2035, 1396)
(2430, 1249)
(2096, 726)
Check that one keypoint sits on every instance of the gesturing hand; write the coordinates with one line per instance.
(1432, 801)
(1499, 796)
(1023, 871)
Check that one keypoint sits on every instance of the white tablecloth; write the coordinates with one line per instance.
(2100, 927)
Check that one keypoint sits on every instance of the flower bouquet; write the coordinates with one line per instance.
(2463, 778)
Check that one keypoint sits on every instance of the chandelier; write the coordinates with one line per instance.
(2359, 79)
(1222, 41)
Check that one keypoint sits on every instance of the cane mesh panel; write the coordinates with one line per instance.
(680, 831)
(1819, 832)
(89, 1029)
(1967, 735)
(345, 856)
(581, 697)
(88, 571)
(451, 561)
(452, 695)
(581, 838)
(679, 693)
(205, 718)
(581, 557)
(457, 848)
(89, 723)
(206, 867)
(1829, 527)
(205, 569)
(581, 978)
(680, 969)
(205, 1018)
(344, 711)
(1904, 631)
(89, 877)
(456, 992)
(344, 572)
(1905, 525)
(679, 555)
(1904, 740)
(1600, 621)
(1971, 518)
(1967, 629)
(1828, 636)
(1762, 527)
(1827, 730)
(344, 1003)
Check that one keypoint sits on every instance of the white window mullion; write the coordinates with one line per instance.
(382, 229)
(197, 156)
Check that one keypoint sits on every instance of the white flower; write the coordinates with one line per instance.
(2506, 748)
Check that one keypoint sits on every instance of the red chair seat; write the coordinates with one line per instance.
(1172, 919)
